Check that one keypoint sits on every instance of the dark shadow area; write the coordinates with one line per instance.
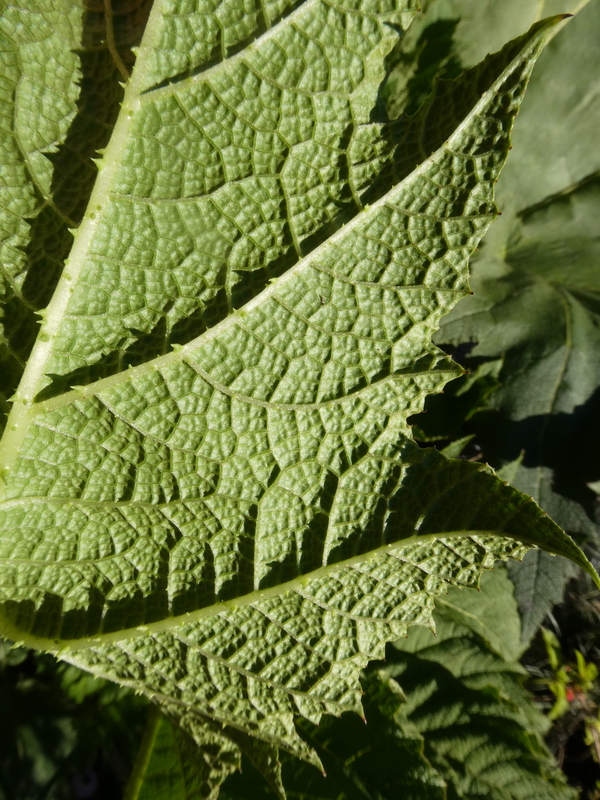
(64, 734)
(446, 415)
(431, 57)
(568, 444)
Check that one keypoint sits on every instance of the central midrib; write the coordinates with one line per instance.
(24, 400)
(52, 317)
(24, 406)
(9, 630)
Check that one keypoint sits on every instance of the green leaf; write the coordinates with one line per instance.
(373, 761)
(61, 98)
(464, 695)
(539, 585)
(169, 764)
(38, 98)
(454, 449)
(484, 26)
(450, 35)
(239, 522)
(537, 303)
(466, 727)
(540, 308)
(490, 614)
(564, 117)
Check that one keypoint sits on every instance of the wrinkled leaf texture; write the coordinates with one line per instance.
(209, 488)
(465, 727)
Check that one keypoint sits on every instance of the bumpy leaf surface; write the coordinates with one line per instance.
(238, 522)
(39, 73)
(61, 98)
(465, 729)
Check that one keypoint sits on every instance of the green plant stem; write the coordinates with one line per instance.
(134, 783)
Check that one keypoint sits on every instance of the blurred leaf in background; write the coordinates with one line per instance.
(65, 735)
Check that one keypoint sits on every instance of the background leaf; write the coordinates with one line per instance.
(536, 303)
(464, 695)
(376, 760)
(172, 764)
(63, 731)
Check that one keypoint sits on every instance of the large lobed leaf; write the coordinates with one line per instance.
(236, 524)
